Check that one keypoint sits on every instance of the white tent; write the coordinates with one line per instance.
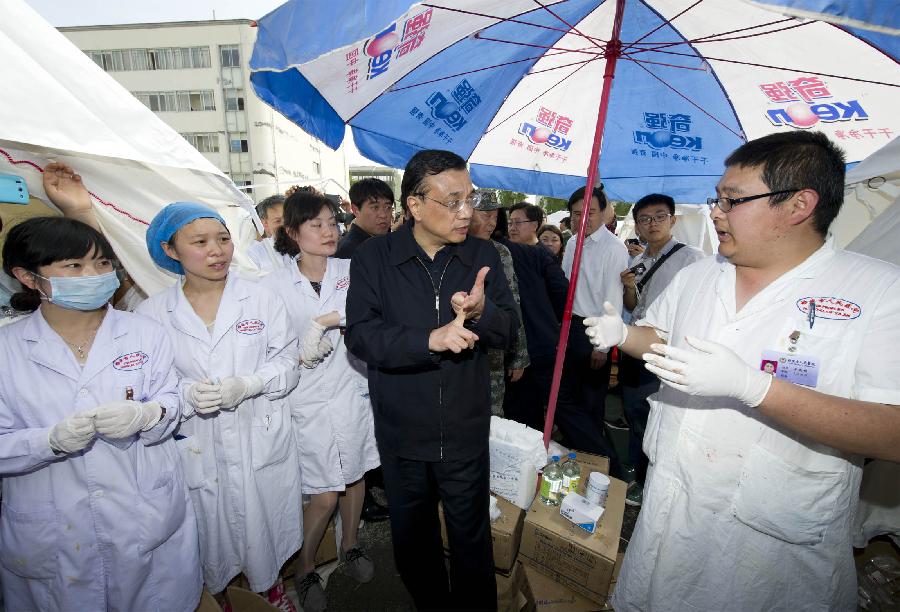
(59, 105)
(693, 227)
(869, 221)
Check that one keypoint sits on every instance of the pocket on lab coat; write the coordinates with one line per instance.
(651, 432)
(133, 380)
(191, 455)
(784, 500)
(29, 541)
(271, 435)
(162, 512)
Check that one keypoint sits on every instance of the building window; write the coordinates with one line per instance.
(238, 143)
(205, 142)
(164, 58)
(231, 56)
(241, 179)
(234, 99)
(177, 101)
(317, 169)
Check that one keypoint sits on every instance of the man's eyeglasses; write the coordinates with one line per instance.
(726, 204)
(454, 206)
(517, 223)
(660, 218)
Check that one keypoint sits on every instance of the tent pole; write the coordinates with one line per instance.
(613, 50)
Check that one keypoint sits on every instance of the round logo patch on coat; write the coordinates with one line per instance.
(342, 283)
(249, 327)
(131, 361)
(830, 308)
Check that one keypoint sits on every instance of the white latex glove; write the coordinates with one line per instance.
(608, 330)
(73, 433)
(123, 418)
(205, 397)
(713, 370)
(309, 344)
(235, 389)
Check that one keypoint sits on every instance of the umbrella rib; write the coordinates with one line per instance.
(786, 68)
(536, 46)
(499, 19)
(710, 38)
(665, 64)
(691, 102)
(555, 85)
(659, 27)
(474, 70)
(568, 25)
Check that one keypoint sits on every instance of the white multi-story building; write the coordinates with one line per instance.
(194, 75)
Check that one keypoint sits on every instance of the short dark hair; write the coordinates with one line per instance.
(578, 194)
(532, 211)
(262, 209)
(650, 200)
(300, 207)
(370, 189)
(427, 163)
(567, 221)
(501, 231)
(798, 160)
(41, 241)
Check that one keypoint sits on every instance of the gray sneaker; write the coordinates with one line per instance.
(358, 564)
(310, 592)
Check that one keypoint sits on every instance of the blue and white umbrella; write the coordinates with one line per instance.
(881, 16)
(514, 86)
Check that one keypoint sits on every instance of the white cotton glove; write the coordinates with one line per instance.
(123, 418)
(235, 389)
(73, 433)
(606, 331)
(205, 397)
(713, 370)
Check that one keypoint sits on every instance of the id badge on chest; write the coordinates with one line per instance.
(791, 367)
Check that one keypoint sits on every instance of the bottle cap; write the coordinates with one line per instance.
(555, 458)
(571, 455)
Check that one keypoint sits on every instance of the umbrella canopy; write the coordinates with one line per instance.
(514, 86)
(59, 105)
(871, 15)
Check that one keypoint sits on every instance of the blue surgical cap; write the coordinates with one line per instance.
(168, 221)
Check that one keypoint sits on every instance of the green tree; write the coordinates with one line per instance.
(508, 198)
(551, 205)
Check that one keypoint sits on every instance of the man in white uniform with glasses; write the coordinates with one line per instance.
(754, 476)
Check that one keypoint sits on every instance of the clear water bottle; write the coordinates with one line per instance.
(571, 476)
(551, 483)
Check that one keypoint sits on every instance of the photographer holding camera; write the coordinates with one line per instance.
(651, 272)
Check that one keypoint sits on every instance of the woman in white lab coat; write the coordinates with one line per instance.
(238, 359)
(95, 512)
(332, 415)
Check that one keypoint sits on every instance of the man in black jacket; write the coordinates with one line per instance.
(425, 304)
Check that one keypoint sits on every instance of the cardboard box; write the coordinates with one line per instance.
(326, 553)
(548, 596)
(583, 562)
(512, 594)
(208, 603)
(243, 600)
(506, 533)
(590, 463)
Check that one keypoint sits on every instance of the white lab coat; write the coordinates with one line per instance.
(110, 527)
(739, 512)
(263, 254)
(332, 414)
(240, 465)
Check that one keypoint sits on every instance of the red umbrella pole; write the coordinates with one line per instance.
(613, 50)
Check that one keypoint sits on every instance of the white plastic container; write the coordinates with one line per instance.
(597, 488)
(580, 511)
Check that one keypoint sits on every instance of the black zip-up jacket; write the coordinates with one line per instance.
(428, 406)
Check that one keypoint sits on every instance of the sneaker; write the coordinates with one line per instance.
(278, 598)
(617, 423)
(628, 473)
(372, 511)
(635, 494)
(310, 592)
(358, 564)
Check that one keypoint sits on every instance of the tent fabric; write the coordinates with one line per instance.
(61, 106)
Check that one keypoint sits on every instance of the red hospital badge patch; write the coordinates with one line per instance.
(834, 308)
(131, 361)
(249, 327)
(342, 283)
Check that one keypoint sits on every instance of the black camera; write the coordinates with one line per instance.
(638, 269)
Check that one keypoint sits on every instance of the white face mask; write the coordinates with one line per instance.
(81, 292)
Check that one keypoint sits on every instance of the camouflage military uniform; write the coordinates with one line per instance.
(516, 359)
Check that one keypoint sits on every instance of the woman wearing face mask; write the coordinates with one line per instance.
(332, 415)
(95, 513)
(237, 359)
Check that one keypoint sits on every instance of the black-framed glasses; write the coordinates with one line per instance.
(647, 219)
(726, 204)
(518, 222)
(454, 206)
